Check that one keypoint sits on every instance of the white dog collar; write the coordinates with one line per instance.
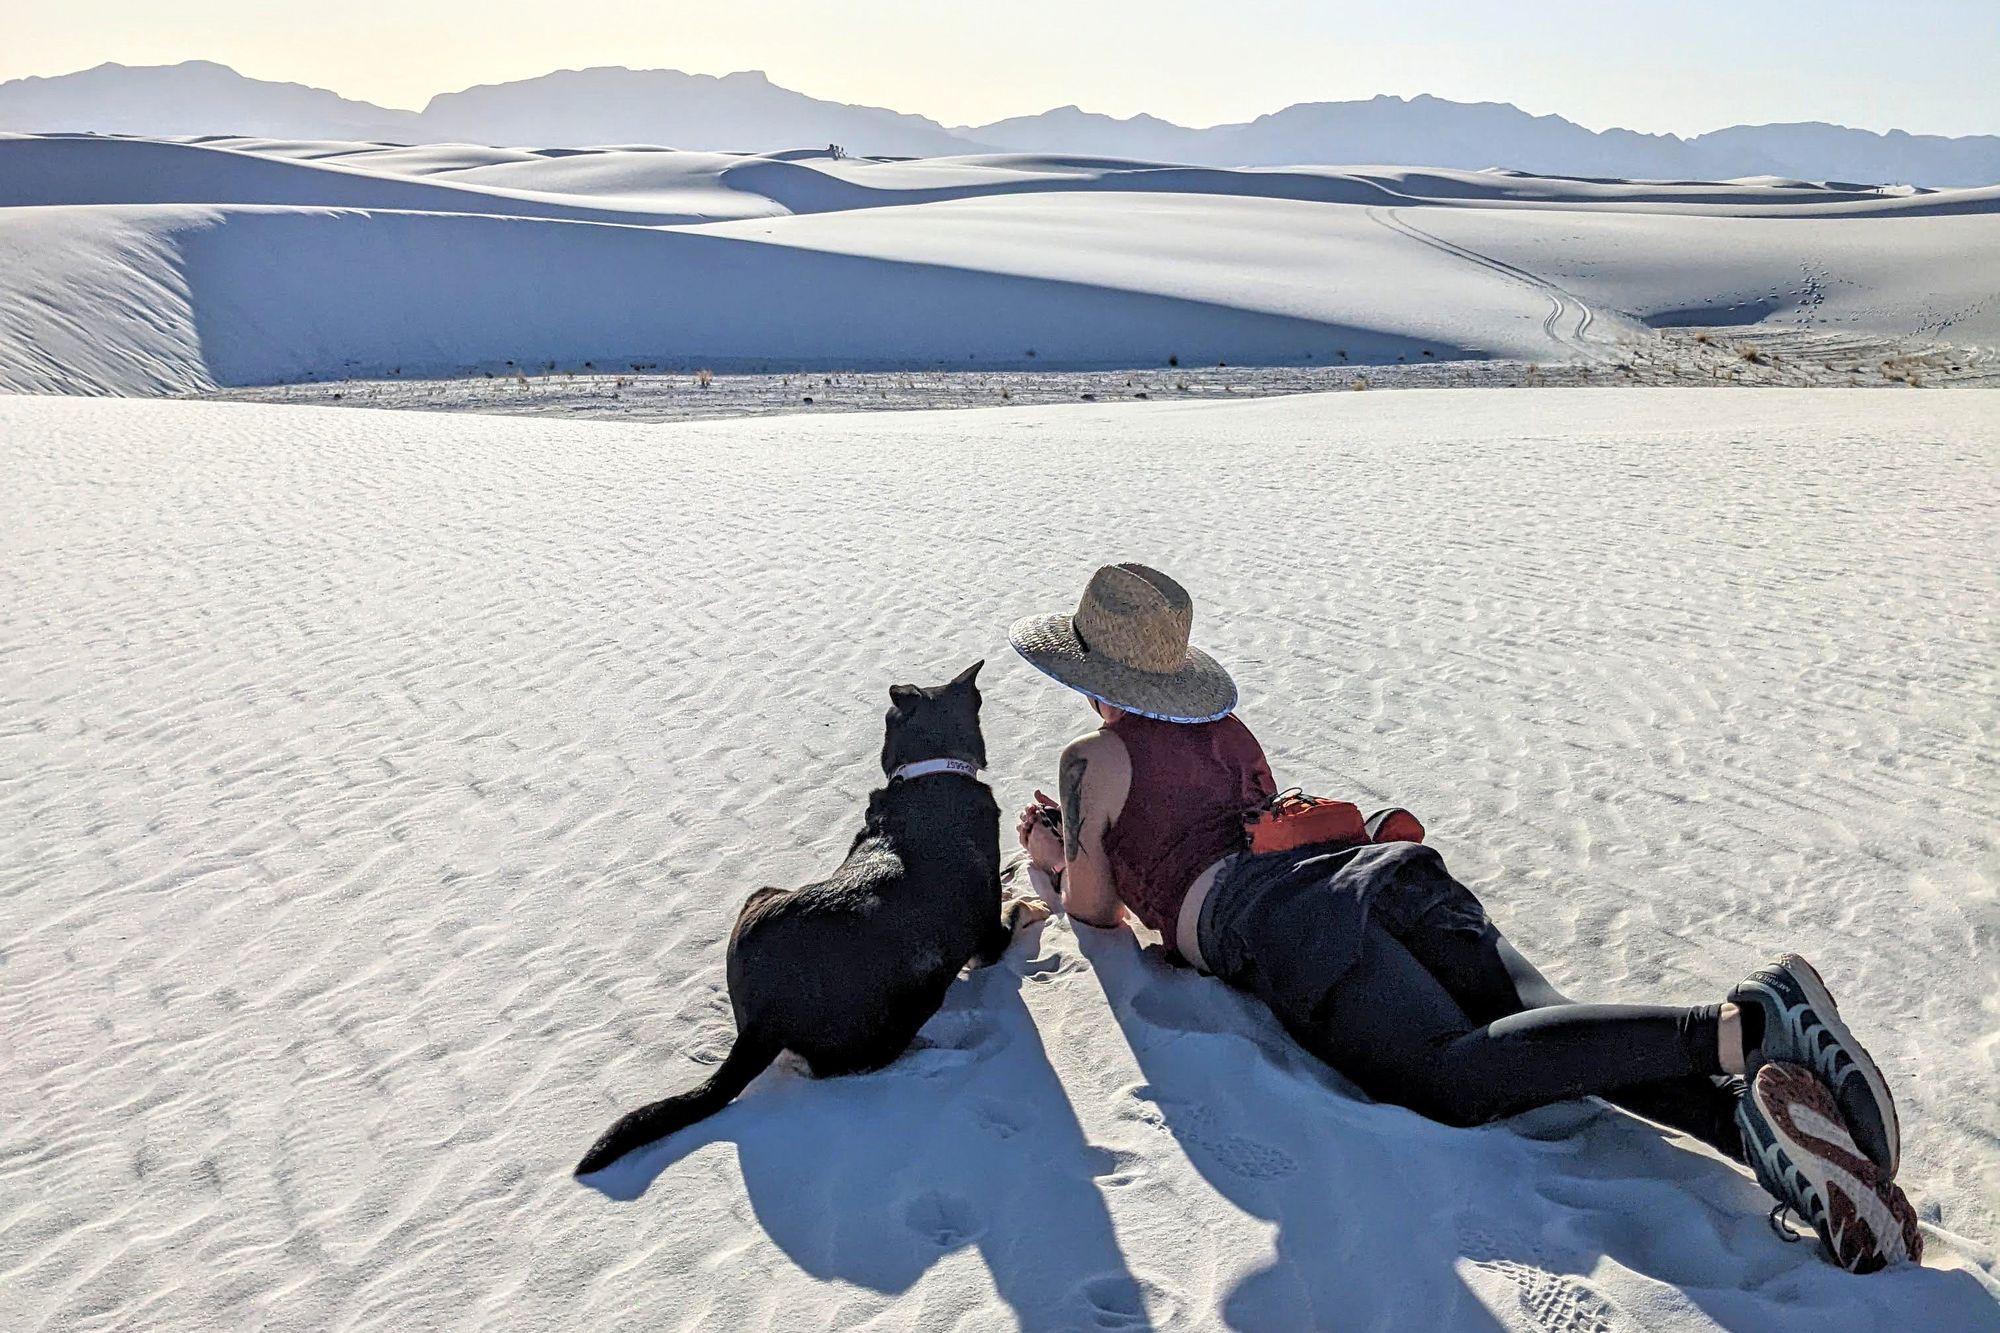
(925, 768)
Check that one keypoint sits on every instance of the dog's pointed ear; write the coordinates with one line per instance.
(970, 675)
(905, 697)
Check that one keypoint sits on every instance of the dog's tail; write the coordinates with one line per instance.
(749, 1057)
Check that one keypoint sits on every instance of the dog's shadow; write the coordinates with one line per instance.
(968, 1140)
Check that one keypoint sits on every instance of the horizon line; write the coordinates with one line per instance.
(1027, 115)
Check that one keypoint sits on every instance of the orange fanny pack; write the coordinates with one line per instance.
(1291, 820)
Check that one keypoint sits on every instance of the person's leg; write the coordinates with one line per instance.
(1490, 979)
(1391, 1025)
(1479, 969)
(1382, 1023)
(1704, 1108)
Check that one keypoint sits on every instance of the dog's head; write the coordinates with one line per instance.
(934, 722)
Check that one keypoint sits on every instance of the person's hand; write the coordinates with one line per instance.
(1027, 911)
(1043, 844)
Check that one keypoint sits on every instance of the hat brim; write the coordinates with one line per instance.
(1199, 690)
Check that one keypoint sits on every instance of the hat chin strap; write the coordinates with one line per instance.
(926, 767)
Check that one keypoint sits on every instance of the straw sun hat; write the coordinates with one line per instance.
(1127, 646)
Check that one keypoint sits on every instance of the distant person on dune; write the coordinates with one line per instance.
(1380, 963)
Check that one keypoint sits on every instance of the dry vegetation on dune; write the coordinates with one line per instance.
(1672, 357)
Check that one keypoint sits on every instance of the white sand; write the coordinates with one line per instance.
(150, 267)
(378, 789)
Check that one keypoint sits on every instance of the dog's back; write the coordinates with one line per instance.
(848, 969)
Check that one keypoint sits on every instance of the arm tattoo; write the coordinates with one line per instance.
(1071, 786)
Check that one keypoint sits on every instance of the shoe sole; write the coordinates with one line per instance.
(1878, 1087)
(1868, 1222)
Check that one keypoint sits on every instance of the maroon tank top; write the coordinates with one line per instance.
(1191, 785)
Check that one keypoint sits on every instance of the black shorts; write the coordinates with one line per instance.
(1287, 926)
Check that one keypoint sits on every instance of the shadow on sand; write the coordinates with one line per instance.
(871, 1181)
(1387, 1220)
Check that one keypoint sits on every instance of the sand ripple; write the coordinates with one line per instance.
(378, 790)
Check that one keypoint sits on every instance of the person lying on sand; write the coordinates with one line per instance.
(1381, 964)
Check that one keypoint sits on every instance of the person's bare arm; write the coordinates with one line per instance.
(1094, 777)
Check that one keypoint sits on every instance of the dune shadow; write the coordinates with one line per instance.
(967, 1141)
(276, 297)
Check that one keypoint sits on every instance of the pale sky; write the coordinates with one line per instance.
(1928, 66)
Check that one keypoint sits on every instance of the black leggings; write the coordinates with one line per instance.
(1446, 1018)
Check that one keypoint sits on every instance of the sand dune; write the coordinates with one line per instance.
(62, 169)
(258, 296)
(130, 266)
(380, 788)
(67, 171)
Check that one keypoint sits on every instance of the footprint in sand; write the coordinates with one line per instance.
(1250, 1159)
(1120, 1300)
(1113, 1169)
(1552, 1301)
(1042, 971)
(1176, 1013)
(945, 1220)
(1002, 1120)
(1173, 1012)
(954, 1038)
(1201, 1130)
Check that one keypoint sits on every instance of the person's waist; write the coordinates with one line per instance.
(1187, 923)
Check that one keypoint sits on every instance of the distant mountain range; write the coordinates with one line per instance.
(197, 97)
(747, 112)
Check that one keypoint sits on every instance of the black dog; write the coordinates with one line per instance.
(844, 972)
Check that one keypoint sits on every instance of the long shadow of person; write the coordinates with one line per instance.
(1263, 1123)
(968, 1140)
(1555, 1220)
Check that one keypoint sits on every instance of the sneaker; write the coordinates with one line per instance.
(1805, 1159)
(1802, 1027)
